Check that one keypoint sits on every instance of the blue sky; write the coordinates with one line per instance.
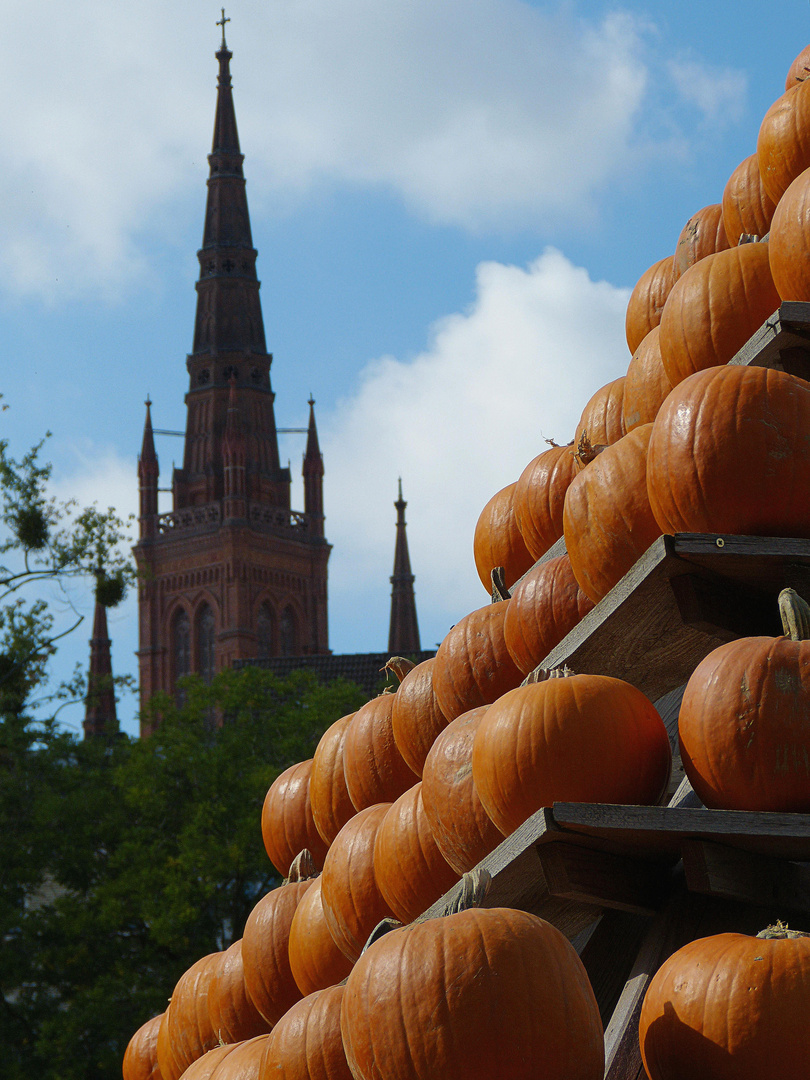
(451, 200)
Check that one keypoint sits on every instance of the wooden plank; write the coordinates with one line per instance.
(598, 877)
(608, 956)
(728, 872)
(782, 342)
(647, 830)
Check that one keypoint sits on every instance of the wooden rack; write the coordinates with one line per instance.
(630, 884)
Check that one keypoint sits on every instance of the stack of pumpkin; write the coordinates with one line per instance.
(416, 787)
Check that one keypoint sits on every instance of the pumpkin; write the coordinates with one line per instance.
(747, 207)
(243, 1062)
(206, 1066)
(601, 422)
(729, 454)
(140, 1058)
(497, 540)
(647, 301)
(578, 738)
(539, 497)
(306, 1044)
(714, 308)
(185, 1032)
(373, 766)
(473, 666)
(745, 718)
(328, 795)
(458, 821)
(287, 822)
(608, 520)
(416, 718)
(231, 1012)
(472, 996)
(315, 959)
(789, 243)
(730, 1007)
(352, 901)
(546, 605)
(646, 384)
(799, 69)
(783, 143)
(702, 235)
(409, 868)
(265, 950)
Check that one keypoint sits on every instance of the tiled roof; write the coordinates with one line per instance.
(364, 669)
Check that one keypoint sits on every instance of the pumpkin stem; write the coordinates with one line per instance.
(474, 888)
(780, 930)
(400, 666)
(382, 928)
(540, 674)
(302, 868)
(499, 589)
(795, 613)
(586, 451)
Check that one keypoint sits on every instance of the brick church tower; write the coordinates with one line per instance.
(231, 573)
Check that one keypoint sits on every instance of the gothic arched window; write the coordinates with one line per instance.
(205, 643)
(181, 646)
(264, 631)
(288, 633)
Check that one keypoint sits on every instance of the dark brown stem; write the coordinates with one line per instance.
(586, 451)
(474, 888)
(380, 930)
(795, 613)
(543, 674)
(400, 666)
(780, 930)
(499, 589)
(302, 868)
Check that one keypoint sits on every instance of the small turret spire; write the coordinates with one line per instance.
(100, 717)
(313, 476)
(148, 475)
(403, 634)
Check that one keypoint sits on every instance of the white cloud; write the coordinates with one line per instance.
(457, 423)
(474, 113)
(718, 93)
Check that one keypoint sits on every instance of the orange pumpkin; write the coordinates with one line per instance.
(729, 454)
(315, 959)
(140, 1058)
(351, 898)
(473, 666)
(608, 520)
(744, 724)
(702, 235)
(783, 143)
(328, 795)
(410, 870)
(729, 1007)
(539, 497)
(287, 823)
(799, 69)
(306, 1044)
(646, 384)
(581, 738)
(647, 301)
(747, 208)
(480, 994)
(185, 1032)
(460, 825)
(789, 244)
(416, 718)
(545, 606)
(714, 308)
(231, 1012)
(374, 769)
(497, 540)
(243, 1062)
(601, 422)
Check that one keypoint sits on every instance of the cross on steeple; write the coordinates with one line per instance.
(221, 22)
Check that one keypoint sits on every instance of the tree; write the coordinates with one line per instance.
(159, 860)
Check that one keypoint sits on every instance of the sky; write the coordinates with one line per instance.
(451, 200)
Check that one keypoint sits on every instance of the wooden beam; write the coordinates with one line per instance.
(598, 877)
(718, 870)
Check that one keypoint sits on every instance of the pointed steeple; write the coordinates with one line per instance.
(234, 460)
(148, 475)
(403, 634)
(313, 476)
(100, 717)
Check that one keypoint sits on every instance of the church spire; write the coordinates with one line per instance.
(403, 634)
(100, 717)
(148, 474)
(313, 476)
